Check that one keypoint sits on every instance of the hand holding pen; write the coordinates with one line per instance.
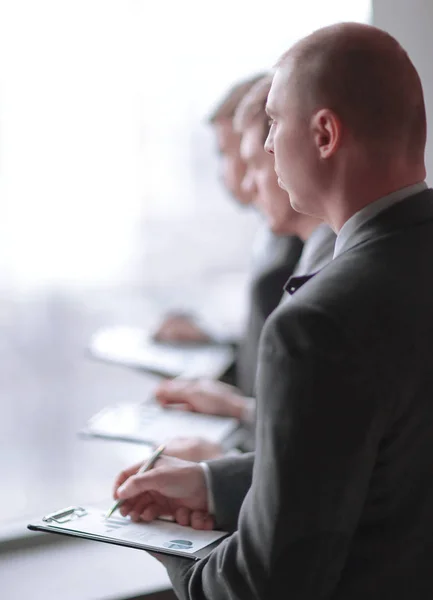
(174, 487)
(148, 464)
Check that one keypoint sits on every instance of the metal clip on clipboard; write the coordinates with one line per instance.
(66, 515)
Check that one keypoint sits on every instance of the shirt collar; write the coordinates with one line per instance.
(315, 255)
(312, 250)
(345, 235)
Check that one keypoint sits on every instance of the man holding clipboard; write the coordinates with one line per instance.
(164, 536)
(338, 502)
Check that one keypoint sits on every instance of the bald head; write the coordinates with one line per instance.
(252, 107)
(348, 121)
(365, 76)
(226, 107)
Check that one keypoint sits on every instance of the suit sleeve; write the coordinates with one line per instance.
(230, 480)
(320, 421)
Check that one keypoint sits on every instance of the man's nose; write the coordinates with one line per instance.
(269, 143)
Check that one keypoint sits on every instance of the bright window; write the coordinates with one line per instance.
(109, 195)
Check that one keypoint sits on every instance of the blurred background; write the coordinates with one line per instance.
(111, 206)
(109, 174)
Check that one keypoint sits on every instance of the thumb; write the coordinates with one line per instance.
(139, 483)
(172, 397)
(165, 388)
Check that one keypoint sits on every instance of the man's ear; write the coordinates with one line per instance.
(327, 131)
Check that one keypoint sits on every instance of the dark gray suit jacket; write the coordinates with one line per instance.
(276, 266)
(341, 501)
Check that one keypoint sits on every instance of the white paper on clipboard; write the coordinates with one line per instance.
(133, 347)
(158, 536)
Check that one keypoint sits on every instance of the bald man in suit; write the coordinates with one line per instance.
(338, 502)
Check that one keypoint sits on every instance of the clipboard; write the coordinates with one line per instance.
(148, 423)
(133, 347)
(161, 535)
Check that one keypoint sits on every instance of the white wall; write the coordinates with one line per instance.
(410, 21)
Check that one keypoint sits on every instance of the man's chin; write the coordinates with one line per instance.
(281, 184)
(297, 207)
(304, 209)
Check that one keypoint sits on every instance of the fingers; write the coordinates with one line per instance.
(185, 406)
(142, 508)
(183, 516)
(175, 403)
(172, 399)
(168, 328)
(141, 511)
(170, 484)
(168, 333)
(201, 520)
(150, 513)
(147, 510)
(196, 519)
(172, 386)
(137, 484)
(180, 328)
(123, 476)
(138, 507)
(173, 392)
(127, 507)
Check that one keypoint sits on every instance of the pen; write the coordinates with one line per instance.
(146, 466)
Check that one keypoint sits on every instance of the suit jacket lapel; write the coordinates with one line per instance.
(296, 282)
